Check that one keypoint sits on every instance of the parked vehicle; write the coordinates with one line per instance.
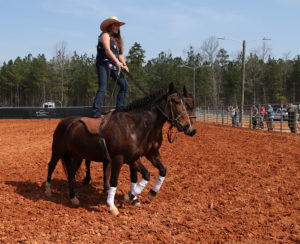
(49, 105)
(281, 113)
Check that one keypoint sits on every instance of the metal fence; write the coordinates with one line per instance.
(282, 121)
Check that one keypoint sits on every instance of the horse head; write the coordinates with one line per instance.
(190, 106)
(177, 113)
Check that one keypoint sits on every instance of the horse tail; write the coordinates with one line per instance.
(58, 143)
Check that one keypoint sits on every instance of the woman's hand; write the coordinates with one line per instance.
(119, 65)
(126, 68)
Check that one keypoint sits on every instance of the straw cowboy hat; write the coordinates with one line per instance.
(109, 21)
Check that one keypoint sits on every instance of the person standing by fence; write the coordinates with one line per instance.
(261, 117)
(232, 112)
(270, 118)
(254, 116)
(237, 111)
(292, 117)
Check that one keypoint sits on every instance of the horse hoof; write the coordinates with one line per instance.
(48, 192)
(127, 197)
(114, 211)
(75, 202)
(136, 203)
(151, 195)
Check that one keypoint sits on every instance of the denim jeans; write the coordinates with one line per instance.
(103, 75)
(261, 121)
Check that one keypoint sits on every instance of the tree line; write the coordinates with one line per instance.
(71, 80)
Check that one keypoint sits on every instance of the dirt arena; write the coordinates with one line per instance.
(224, 184)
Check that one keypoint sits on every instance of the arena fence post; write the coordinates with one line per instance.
(250, 118)
(281, 119)
(295, 121)
(222, 115)
(259, 119)
(227, 117)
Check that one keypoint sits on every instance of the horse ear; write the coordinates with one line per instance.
(171, 87)
(185, 91)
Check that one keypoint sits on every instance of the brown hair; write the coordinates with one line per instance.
(116, 37)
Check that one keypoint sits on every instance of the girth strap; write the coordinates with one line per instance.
(102, 142)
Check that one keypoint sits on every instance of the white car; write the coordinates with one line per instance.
(278, 114)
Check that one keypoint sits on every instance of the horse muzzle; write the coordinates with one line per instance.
(187, 129)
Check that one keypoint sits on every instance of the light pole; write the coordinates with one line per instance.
(243, 72)
(194, 81)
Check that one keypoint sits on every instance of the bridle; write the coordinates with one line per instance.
(174, 121)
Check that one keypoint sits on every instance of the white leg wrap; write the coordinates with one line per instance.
(132, 186)
(159, 181)
(138, 189)
(111, 196)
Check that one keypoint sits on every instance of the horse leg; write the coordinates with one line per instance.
(106, 171)
(72, 165)
(156, 162)
(137, 189)
(133, 179)
(87, 178)
(51, 166)
(116, 165)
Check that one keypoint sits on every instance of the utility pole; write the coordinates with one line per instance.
(194, 79)
(243, 72)
(243, 82)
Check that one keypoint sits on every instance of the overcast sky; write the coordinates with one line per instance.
(36, 26)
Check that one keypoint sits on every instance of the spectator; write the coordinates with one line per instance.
(254, 116)
(270, 117)
(237, 111)
(292, 117)
(232, 112)
(261, 117)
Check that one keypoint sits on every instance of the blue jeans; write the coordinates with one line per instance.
(103, 75)
(235, 120)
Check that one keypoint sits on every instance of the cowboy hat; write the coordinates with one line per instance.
(109, 21)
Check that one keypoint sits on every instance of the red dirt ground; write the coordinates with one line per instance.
(223, 184)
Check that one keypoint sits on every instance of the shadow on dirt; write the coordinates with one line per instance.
(88, 195)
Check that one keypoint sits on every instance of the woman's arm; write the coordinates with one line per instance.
(122, 59)
(105, 39)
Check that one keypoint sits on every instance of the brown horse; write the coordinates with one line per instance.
(130, 134)
(190, 107)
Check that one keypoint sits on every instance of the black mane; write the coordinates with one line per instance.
(143, 102)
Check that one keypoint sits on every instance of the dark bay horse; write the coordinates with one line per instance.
(131, 133)
(191, 109)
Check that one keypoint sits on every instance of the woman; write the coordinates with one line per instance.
(109, 62)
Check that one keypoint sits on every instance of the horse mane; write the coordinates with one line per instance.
(144, 102)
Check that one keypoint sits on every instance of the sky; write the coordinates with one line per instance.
(171, 26)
